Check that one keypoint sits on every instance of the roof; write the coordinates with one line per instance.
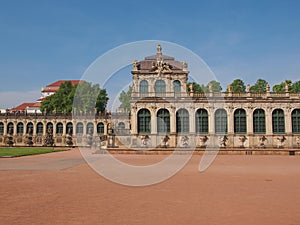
(55, 86)
(149, 62)
(26, 105)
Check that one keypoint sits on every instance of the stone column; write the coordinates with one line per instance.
(249, 114)
(230, 121)
(5, 128)
(288, 121)
(172, 120)
(269, 129)
(133, 119)
(192, 121)
(34, 128)
(211, 121)
(15, 128)
(44, 128)
(153, 120)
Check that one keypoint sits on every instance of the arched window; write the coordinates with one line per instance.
(182, 121)
(144, 88)
(259, 121)
(201, 121)
(160, 88)
(1, 128)
(90, 128)
(278, 121)
(296, 121)
(240, 123)
(49, 127)
(121, 125)
(79, 128)
(59, 128)
(177, 86)
(69, 128)
(29, 128)
(144, 121)
(10, 128)
(20, 128)
(221, 121)
(39, 128)
(100, 128)
(163, 121)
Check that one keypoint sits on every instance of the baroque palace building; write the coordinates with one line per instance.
(165, 114)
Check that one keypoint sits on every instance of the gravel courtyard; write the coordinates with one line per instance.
(60, 188)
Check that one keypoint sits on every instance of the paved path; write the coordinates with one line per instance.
(60, 188)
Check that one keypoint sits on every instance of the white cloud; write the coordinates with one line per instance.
(9, 99)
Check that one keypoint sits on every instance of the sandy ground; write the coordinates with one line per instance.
(60, 188)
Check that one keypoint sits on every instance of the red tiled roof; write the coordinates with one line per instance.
(55, 86)
(25, 105)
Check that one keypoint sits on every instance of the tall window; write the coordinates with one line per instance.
(49, 127)
(144, 121)
(100, 128)
(201, 121)
(1, 128)
(177, 87)
(59, 128)
(144, 88)
(79, 128)
(221, 121)
(39, 128)
(163, 121)
(10, 128)
(29, 128)
(278, 121)
(69, 128)
(296, 121)
(240, 123)
(20, 128)
(90, 128)
(259, 121)
(160, 88)
(182, 121)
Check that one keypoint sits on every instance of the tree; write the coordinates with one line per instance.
(281, 87)
(84, 96)
(197, 87)
(61, 101)
(259, 86)
(238, 86)
(125, 99)
(88, 97)
(216, 86)
(295, 87)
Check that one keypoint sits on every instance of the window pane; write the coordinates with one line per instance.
(201, 121)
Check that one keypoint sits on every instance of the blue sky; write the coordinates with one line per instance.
(44, 41)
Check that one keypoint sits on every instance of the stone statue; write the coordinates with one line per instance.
(262, 140)
(184, 141)
(280, 141)
(203, 140)
(210, 86)
(191, 86)
(184, 66)
(242, 140)
(222, 141)
(286, 87)
(229, 88)
(145, 139)
(165, 141)
(268, 87)
(135, 65)
(248, 88)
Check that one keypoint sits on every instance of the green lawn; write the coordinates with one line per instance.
(25, 151)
